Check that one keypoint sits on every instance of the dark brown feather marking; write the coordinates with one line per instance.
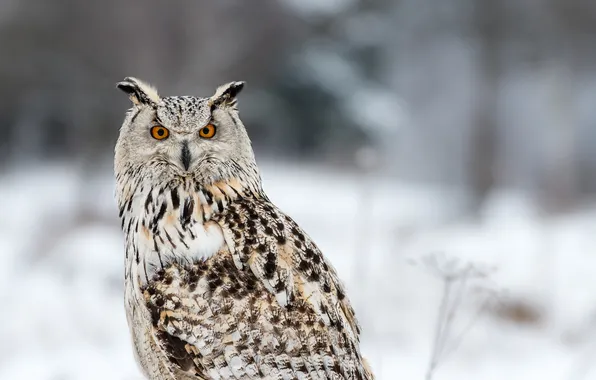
(189, 205)
(175, 198)
(176, 351)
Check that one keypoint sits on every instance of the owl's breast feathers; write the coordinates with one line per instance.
(266, 305)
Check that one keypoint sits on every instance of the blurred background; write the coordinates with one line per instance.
(449, 148)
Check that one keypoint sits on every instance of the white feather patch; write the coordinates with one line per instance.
(312, 294)
(209, 240)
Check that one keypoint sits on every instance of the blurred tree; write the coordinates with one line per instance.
(65, 56)
(470, 94)
(489, 21)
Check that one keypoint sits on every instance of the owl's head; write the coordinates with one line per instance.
(184, 136)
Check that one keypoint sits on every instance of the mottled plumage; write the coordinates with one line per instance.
(220, 284)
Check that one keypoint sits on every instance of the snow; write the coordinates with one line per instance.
(61, 279)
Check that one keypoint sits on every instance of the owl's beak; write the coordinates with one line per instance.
(185, 157)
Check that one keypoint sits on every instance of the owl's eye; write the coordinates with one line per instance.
(158, 132)
(207, 131)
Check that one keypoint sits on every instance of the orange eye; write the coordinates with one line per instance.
(158, 132)
(207, 131)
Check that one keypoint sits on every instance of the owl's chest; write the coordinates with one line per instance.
(168, 227)
(153, 247)
(151, 250)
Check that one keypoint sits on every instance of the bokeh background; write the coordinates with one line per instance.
(432, 148)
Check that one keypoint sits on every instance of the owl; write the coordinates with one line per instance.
(219, 282)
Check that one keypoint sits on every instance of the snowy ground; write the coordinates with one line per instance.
(61, 300)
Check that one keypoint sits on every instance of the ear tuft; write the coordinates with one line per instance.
(226, 95)
(139, 92)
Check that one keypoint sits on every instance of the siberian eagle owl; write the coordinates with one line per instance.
(220, 283)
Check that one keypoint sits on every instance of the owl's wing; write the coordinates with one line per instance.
(268, 307)
(212, 321)
(292, 268)
(287, 262)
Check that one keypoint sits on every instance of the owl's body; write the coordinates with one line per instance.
(220, 284)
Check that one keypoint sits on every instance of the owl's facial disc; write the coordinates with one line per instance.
(188, 137)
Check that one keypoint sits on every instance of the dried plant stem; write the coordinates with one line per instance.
(439, 329)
